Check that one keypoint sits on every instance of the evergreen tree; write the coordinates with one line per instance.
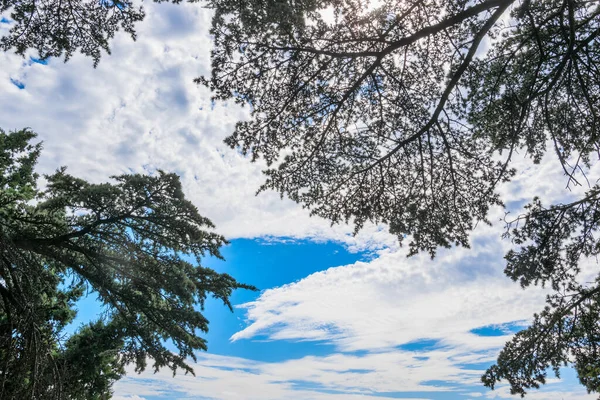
(135, 243)
(55, 28)
(410, 112)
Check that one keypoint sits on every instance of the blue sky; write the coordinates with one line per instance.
(338, 316)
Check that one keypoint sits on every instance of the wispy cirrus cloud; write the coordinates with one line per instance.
(396, 374)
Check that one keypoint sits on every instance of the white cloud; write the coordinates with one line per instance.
(379, 306)
(333, 377)
(338, 376)
(393, 300)
(132, 397)
(140, 110)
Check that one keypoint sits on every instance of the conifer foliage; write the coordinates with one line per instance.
(410, 113)
(56, 28)
(135, 243)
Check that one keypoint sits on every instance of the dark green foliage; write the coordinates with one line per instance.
(389, 116)
(565, 332)
(55, 28)
(91, 361)
(33, 312)
(135, 243)
(552, 243)
(540, 83)
(371, 121)
(410, 113)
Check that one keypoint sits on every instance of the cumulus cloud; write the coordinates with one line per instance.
(140, 111)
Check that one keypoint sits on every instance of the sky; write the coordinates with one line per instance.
(337, 316)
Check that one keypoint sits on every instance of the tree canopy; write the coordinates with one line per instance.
(136, 244)
(410, 112)
(55, 28)
(395, 114)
